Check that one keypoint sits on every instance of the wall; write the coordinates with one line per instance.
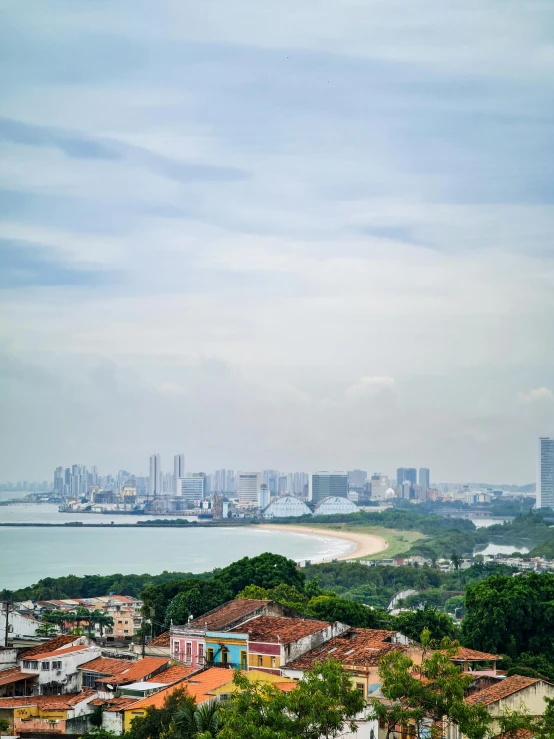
(67, 677)
(113, 721)
(234, 643)
(18, 625)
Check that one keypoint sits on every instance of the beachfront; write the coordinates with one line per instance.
(364, 545)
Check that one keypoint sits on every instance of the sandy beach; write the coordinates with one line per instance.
(364, 544)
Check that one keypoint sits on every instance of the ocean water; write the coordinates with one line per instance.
(29, 554)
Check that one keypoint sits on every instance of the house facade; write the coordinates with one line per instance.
(57, 670)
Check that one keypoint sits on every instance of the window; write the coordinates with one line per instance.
(243, 662)
(200, 653)
(45, 665)
(57, 665)
(260, 661)
(120, 622)
(273, 662)
(210, 654)
(126, 631)
(224, 696)
(360, 688)
(224, 656)
(188, 650)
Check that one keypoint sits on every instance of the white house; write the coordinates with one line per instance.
(19, 625)
(56, 670)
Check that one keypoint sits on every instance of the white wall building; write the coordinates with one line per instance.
(287, 506)
(263, 497)
(19, 625)
(545, 473)
(248, 487)
(57, 670)
(379, 486)
(191, 488)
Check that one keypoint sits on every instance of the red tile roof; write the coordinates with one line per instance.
(137, 671)
(517, 734)
(228, 613)
(163, 640)
(468, 655)
(114, 704)
(502, 689)
(47, 702)
(14, 675)
(57, 653)
(174, 674)
(106, 665)
(197, 686)
(357, 647)
(279, 628)
(63, 640)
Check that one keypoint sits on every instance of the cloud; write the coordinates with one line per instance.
(538, 395)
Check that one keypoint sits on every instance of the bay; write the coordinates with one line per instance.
(29, 554)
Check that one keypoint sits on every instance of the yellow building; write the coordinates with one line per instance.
(52, 714)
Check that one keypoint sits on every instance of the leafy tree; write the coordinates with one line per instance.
(195, 598)
(4, 726)
(439, 625)
(453, 604)
(266, 570)
(425, 695)
(254, 592)
(323, 704)
(99, 733)
(456, 560)
(159, 722)
(46, 629)
(193, 722)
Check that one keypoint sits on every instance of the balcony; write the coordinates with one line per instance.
(42, 725)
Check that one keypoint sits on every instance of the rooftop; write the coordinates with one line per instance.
(197, 686)
(174, 674)
(114, 704)
(502, 689)
(464, 654)
(14, 675)
(47, 702)
(106, 665)
(163, 640)
(227, 614)
(137, 671)
(56, 653)
(360, 647)
(279, 628)
(63, 640)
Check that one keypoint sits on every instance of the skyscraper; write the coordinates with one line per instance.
(424, 478)
(357, 479)
(325, 484)
(178, 470)
(248, 486)
(545, 473)
(406, 473)
(192, 488)
(155, 475)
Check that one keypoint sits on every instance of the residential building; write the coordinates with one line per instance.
(20, 625)
(48, 714)
(188, 642)
(545, 473)
(57, 669)
(139, 671)
(155, 488)
(425, 478)
(14, 682)
(227, 648)
(178, 471)
(191, 489)
(272, 641)
(325, 484)
(248, 486)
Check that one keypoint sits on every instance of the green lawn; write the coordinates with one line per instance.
(398, 541)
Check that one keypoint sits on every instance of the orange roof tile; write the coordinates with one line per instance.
(198, 686)
(163, 640)
(106, 665)
(63, 640)
(173, 674)
(114, 704)
(229, 613)
(464, 654)
(279, 628)
(517, 734)
(47, 702)
(502, 689)
(57, 653)
(137, 671)
(14, 675)
(356, 647)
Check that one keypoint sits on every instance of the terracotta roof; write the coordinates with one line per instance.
(464, 654)
(63, 640)
(47, 702)
(228, 613)
(137, 671)
(197, 686)
(502, 689)
(357, 647)
(517, 734)
(163, 640)
(106, 665)
(279, 628)
(56, 653)
(114, 704)
(14, 675)
(173, 675)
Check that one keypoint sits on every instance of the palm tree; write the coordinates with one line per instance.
(193, 721)
(103, 620)
(456, 560)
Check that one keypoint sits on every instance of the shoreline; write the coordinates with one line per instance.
(365, 545)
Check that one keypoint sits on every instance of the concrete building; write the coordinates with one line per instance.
(155, 488)
(248, 487)
(191, 488)
(379, 484)
(178, 471)
(357, 479)
(19, 625)
(545, 473)
(404, 474)
(425, 478)
(56, 670)
(263, 497)
(325, 484)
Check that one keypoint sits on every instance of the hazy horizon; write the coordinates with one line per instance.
(316, 236)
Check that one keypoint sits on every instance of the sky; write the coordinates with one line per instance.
(294, 235)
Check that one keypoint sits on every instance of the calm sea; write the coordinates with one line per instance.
(29, 554)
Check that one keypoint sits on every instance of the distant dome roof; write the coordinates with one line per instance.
(390, 493)
(335, 504)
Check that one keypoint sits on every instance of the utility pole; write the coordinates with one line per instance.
(9, 606)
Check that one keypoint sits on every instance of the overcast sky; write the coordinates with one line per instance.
(296, 234)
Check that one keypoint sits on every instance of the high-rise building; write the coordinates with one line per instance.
(357, 479)
(325, 484)
(178, 470)
(192, 488)
(406, 473)
(263, 496)
(155, 475)
(424, 478)
(379, 485)
(545, 473)
(248, 487)
(58, 480)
